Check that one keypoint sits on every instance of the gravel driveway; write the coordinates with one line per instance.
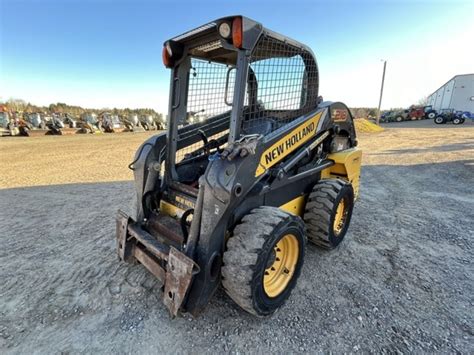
(403, 280)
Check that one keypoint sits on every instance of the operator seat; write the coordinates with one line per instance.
(263, 126)
(254, 122)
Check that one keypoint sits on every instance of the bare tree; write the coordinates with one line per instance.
(16, 104)
(423, 101)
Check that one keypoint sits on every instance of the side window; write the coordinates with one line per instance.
(280, 83)
(210, 90)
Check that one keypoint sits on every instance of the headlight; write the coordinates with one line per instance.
(224, 30)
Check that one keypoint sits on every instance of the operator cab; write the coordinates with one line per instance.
(221, 93)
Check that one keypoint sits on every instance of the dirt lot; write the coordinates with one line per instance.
(403, 280)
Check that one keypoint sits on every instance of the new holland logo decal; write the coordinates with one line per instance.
(287, 144)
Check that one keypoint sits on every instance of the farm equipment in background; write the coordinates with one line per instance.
(159, 122)
(55, 125)
(429, 112)
(13, 124)
(89, 123)
(411, 114)
(129, 123)
(397, 116)
(467, 115)
(62, 125)
(147, 122)
(4, 123)
(35, 120)
(231, 198)
(132, 123)
(70, 121)
(450, 115)
(384, 116)
(33, 125)
(111, 123)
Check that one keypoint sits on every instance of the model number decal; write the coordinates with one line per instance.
(184, 202)
(339, 114)
(287, 144)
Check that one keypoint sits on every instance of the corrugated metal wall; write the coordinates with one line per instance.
(463, 94)
(457, 94)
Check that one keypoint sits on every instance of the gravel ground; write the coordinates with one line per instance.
(402, 281)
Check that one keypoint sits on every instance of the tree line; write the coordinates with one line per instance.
(18, 105)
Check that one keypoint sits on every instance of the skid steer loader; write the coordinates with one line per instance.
(231, 197)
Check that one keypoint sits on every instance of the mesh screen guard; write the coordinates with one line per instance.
(282, 85)
(209, 96)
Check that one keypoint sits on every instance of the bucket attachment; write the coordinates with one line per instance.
(68, 131)
(5, 132)
(172, 267)
(36, 132)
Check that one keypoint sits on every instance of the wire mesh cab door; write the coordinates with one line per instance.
(202, 89)
(282, 85)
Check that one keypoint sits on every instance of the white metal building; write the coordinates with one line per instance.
(457, 94)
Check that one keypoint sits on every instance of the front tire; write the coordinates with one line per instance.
(263, 260)
(457, 121)
(439, 120)
(328, 212)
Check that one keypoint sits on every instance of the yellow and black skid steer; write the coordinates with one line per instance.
(252, 164)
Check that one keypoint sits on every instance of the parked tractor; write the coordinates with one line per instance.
(450, 115)
(429, 112)
(397, 116)
(411, 114)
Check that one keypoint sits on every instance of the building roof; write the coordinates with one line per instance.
(454, 77)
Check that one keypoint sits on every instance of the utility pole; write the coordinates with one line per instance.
(381, 91)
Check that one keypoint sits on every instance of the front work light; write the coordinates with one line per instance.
(224, 30)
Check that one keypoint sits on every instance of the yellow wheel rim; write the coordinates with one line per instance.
(282, 265)
(340, 217)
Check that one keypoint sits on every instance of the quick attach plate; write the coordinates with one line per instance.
(179, 272)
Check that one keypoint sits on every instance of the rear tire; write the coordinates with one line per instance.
(439, 120)
(328, 212)
(431, 115)
(457, 121)
(399, 118)
(263, 260)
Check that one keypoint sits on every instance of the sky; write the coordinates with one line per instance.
(107, 53)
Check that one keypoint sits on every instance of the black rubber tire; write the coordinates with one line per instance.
(247, 254)
(440, 120)
(431, 115)
(320, 212)
(457, 121)
(399, 118)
